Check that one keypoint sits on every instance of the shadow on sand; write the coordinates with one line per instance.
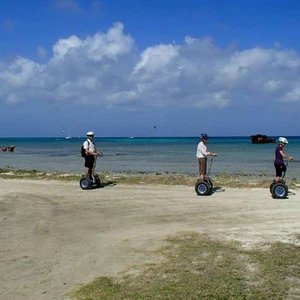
(106, 184)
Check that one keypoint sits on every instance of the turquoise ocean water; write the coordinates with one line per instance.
(235, 155)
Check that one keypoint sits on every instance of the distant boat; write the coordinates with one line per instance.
(68, 136)
(10, 148)
(131, 137)
(262, 139)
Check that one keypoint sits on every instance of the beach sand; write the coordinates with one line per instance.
(55, 236)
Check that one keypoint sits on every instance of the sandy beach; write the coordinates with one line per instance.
(55, 236)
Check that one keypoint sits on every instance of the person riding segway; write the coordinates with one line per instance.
(89, 152)
(278, 187)
(204, 185)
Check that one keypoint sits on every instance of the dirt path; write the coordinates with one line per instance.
(55, 236)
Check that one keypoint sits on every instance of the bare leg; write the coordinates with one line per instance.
(202, 168)
(88, 172)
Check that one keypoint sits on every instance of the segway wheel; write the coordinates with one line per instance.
(85, 183)
(202, 188)
(280, 191)
(97, 180)
(271, 186)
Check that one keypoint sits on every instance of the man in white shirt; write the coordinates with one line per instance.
(202, 154)
(90, 153)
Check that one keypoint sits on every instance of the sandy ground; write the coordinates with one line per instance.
(55, 236)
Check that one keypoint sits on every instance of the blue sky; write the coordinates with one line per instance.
(120, 67)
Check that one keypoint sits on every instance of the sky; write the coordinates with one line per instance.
(149, 67)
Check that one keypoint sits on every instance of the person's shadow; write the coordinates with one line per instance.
(217, 189)
(106, 184)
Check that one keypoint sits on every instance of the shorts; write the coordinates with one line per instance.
(280, 168)
(89, 161)
(202, 165)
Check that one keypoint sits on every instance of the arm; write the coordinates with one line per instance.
(212, 154)
(97, 153)
(88, 152)
(286, 156)
(204, 152)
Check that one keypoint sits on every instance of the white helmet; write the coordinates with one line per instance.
(90, 133)
(283, 140)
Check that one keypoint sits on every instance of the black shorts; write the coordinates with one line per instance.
(280, 168)
(89, 161)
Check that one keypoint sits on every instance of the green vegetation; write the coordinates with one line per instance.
(163, 178)
(197, 267)
(8, 173)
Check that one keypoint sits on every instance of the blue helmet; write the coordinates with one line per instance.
(204, 136)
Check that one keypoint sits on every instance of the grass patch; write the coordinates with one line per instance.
(197, 267)
(220, 180)
(164, 178)
(8, 173)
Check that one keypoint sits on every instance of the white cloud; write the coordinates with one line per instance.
(122, 98)
(18, 74)
(63, 46)
(154, 59)
(110, 45)
(107, 69)
(274, 85)
(217, 99)
(41, 52)
(12, 98)
(293, 95)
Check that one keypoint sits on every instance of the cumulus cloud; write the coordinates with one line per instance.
(107, 69)
(41, 52)
(218, 99)
(155, 58)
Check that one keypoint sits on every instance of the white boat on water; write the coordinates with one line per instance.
(68, 136)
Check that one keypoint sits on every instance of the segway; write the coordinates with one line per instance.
(90, 182)
(205, 187)
(279, 189)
